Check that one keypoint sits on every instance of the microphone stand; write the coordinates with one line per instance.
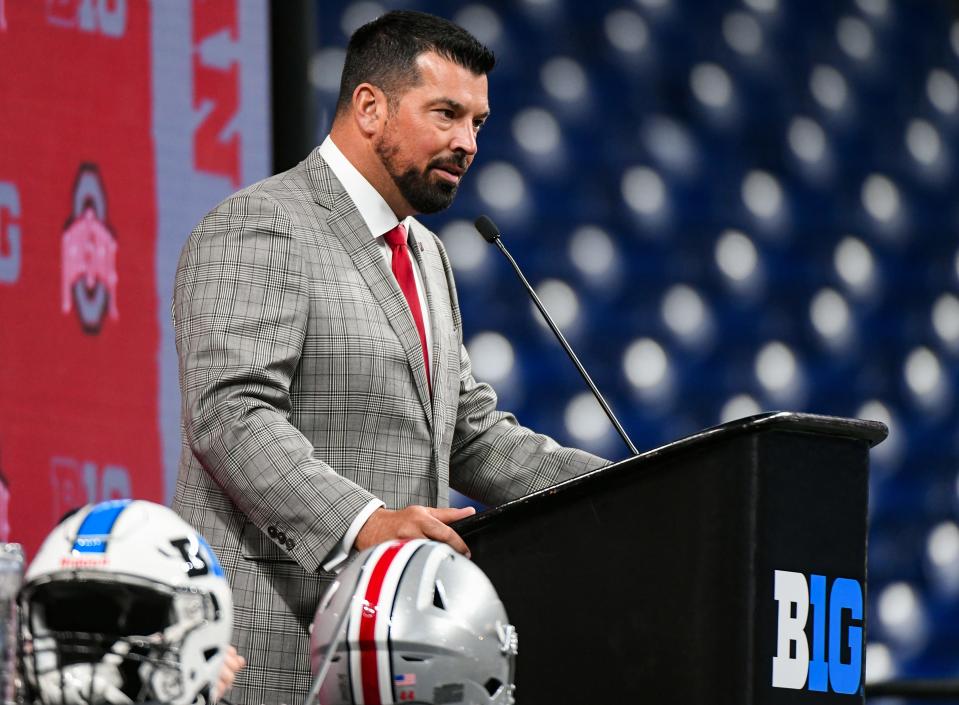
(491, 234)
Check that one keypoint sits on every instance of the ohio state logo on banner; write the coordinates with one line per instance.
(89, 254)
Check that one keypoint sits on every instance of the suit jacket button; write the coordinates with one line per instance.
(271, 531)
(281, 537)
(290, 544)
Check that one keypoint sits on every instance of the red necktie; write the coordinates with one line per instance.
(403, 271)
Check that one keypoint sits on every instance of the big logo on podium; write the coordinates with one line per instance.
(89, 254)
(824, 650)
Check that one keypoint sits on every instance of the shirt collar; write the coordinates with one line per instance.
(373, 209)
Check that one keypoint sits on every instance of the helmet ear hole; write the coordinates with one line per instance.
(492, 686)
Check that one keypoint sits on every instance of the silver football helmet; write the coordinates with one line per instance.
(124, 602)
(412, 622)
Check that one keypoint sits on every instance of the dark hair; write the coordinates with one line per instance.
(383, 52)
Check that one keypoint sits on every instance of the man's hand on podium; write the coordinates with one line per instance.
(414, 522)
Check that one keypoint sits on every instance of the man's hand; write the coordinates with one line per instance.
(233, 663)
(414, 522)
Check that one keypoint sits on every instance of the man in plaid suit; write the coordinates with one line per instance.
(326, 406)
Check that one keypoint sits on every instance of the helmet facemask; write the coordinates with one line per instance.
(124, 603)
(87, 641)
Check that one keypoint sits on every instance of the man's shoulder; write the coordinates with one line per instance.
(291, 193)
(291, 186)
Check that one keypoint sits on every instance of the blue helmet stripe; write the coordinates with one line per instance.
(96, 527)
(210, 557)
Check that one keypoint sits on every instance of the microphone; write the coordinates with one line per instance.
(490, 233)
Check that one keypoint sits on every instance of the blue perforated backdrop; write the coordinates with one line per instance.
(730, 206)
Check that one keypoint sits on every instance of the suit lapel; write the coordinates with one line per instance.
(347, 224)
(427, 259)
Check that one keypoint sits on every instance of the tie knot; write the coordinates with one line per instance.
(396, 236)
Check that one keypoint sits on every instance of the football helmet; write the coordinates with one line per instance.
(412, 622)
(124, 603)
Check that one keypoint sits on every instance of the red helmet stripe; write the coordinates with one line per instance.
(368, 652)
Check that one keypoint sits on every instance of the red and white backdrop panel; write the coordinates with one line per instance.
(121, 123)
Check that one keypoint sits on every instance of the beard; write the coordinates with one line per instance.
(424, 194)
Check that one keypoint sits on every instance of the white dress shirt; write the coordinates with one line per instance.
(380, 219)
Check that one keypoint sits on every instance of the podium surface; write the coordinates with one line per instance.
(656, 578)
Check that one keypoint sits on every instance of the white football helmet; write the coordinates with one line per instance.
(412, 622)
(124, 602)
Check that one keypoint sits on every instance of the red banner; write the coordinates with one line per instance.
(78, 303)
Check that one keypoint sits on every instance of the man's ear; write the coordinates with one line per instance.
(369, 108)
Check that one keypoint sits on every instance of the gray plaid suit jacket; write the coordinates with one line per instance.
(305, 396)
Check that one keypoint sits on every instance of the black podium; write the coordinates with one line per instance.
(656, 579)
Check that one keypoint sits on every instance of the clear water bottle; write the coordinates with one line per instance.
(11, 578)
